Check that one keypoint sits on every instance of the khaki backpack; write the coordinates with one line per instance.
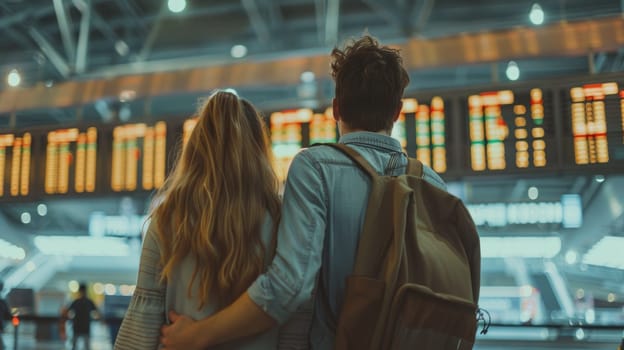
(415, 283)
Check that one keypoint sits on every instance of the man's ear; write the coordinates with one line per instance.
(397, 113)
(335, 110)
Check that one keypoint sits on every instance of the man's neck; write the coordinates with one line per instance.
(344, 130)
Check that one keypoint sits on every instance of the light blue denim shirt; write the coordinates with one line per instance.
(325, 201)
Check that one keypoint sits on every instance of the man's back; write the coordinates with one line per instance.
(345, 193)
(82, 308)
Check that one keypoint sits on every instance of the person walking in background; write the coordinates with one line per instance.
(213, 231)
(5, 314)
(80, 312)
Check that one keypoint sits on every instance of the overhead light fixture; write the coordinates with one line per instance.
(176, 6)
(599, 178)
(606, 253)
(238, 51)
(82, 246)
(571, 257)
(11, 251)
(307, 77)
(513, 71)
(25, 217)
(31, 266)
(122, 48)
(521, 247)
(42, 209)
(536, 16)
(533, 193)
(73, 286)
(14, 78)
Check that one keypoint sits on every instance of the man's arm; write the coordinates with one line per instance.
(240, 319)
(289, 281)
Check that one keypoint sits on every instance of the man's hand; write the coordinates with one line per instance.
(180, 334)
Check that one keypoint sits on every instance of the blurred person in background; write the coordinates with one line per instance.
(80, 311)
(213, 232)
(5, 314)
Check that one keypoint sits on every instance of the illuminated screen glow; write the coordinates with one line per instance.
(286, 139)
(19, 167)
(139, 148)
(492, 115)
(323, 128)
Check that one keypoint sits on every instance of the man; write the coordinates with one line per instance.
(81, 308)
(323, 212)
(5, 314)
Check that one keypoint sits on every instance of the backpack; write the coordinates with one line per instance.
(416, 278)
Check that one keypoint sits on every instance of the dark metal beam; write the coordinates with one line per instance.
(83, 38)
(388, 12)
(258, 23)
(422, 14)
(55, 58)
(332, 22)
(65, 28)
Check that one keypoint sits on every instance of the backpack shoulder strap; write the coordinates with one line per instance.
(355, 157)
(415, 168)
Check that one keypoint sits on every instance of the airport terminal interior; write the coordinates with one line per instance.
(518, 105)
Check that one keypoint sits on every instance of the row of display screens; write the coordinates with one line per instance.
(488, 132)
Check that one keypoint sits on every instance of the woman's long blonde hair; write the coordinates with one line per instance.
(217, 198)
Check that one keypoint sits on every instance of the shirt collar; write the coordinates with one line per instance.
(372, 139)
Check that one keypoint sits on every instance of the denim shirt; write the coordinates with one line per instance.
(325, 202)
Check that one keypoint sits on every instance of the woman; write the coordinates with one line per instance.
(213, 232)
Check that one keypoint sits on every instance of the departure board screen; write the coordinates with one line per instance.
(15, 156)
(431, 133)
(509, 130)
(597, 123)
(399, 130)
(187, 129)
(286, 137)
(323, 127)
(71, 154)
(139, 152)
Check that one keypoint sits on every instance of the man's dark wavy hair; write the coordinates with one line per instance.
(370, 81)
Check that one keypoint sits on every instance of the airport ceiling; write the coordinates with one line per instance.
(42, 38)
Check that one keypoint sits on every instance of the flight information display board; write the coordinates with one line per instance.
(509, 130)
(597, 123)
(139, 151)
(15, 156)
(323, 127)
(71, 157)
(286, 137)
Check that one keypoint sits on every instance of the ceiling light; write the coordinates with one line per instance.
(570, 257)
(73, 286)
(607, 253)
(513, 71)
(307, 77)
(30, 266)
(82, 246)
(599, 178)
(533, 193)
(536, 15)
(238, 51)
(611, 297)
(25, 217)
(580, 334)
(122, 48)
(98, 288)
(11, 251)
(176, 6)
(14, 78)
(42, 209)
(110, 289)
